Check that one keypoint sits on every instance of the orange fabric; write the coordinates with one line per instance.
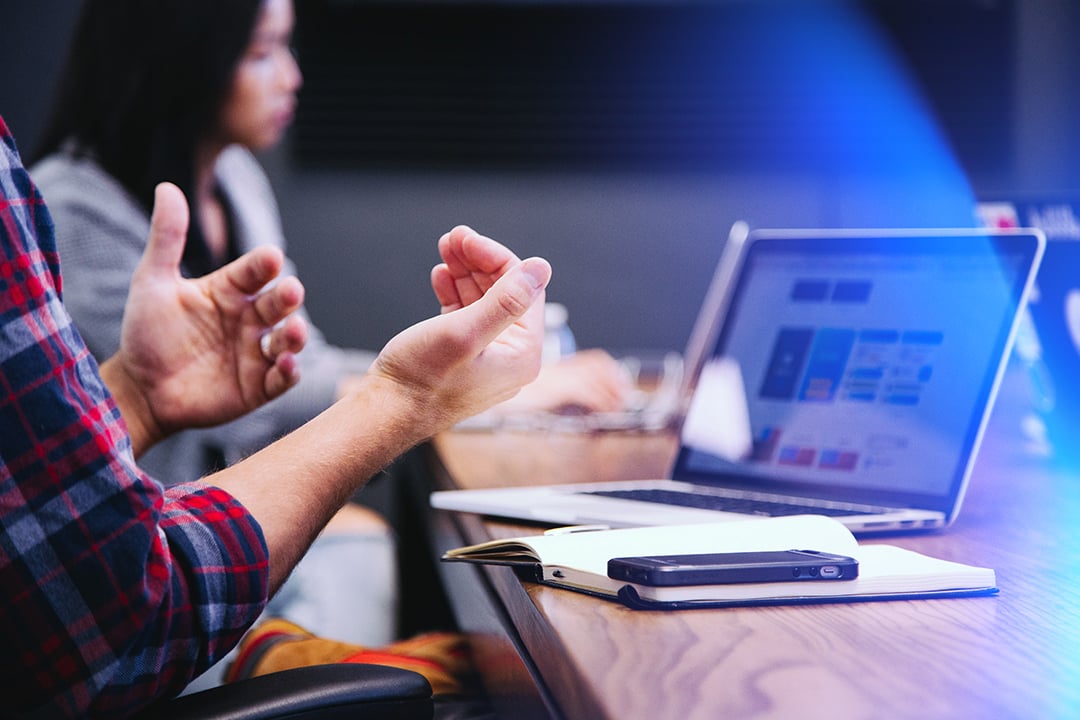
(277, 644)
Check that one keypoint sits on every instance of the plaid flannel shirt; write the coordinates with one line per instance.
(114, 592)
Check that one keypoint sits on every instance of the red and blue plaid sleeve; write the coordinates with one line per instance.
(113, 591)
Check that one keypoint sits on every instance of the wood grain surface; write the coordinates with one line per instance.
(1016, 655)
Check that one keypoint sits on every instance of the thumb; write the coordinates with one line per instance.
(168, 229)
(509, 299)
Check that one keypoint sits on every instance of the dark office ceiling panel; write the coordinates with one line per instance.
(610, 85)
(503, 85)
(964, 53)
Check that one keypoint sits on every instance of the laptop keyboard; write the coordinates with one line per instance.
(748, 506)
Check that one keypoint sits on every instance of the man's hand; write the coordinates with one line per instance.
(483, 347)
(192, 351)
(486, 343)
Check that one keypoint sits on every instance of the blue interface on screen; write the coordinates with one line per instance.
(865, 371)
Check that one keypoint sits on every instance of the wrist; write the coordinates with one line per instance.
(142, 425)
(410, 414)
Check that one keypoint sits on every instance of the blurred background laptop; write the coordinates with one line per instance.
(1048, 344)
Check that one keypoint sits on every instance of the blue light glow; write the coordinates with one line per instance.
(817, 89)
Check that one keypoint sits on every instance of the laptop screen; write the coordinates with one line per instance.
(868, 362)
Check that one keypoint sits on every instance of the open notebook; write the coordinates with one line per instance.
(578, 561)
(867, 363)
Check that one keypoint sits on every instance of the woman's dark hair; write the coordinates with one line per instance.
(144, 83)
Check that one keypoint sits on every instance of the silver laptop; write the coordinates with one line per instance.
(866, 364)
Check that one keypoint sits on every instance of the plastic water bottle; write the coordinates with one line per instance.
(558, 338)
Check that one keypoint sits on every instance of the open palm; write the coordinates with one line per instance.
(192, 346)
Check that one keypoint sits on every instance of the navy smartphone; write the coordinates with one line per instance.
(724, 568)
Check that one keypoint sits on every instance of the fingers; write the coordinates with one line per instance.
(168, 230)
(279, 301)
(250, 272)
(513, 296)
(442, 282)
(289, 337)
(247, 274)
(279, 347)
(471, 264)
(477, 355)
(465, 251)
(282, 375)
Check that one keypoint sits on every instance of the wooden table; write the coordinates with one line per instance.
(546, 652)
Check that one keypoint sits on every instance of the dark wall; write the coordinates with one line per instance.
(633, 205)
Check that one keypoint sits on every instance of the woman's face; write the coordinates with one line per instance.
(262, 99)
